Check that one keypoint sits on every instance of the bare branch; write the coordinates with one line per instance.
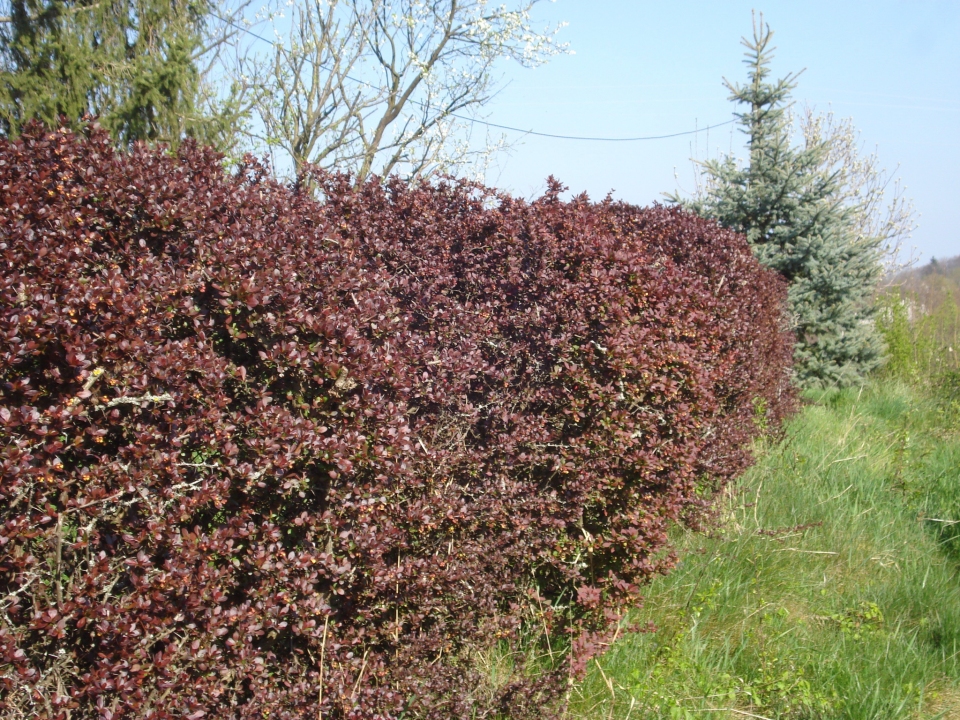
(370, 86)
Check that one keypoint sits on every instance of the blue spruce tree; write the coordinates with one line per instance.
(791, 202)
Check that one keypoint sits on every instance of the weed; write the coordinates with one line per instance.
(830, 589)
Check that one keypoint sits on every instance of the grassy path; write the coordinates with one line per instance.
(830, 590)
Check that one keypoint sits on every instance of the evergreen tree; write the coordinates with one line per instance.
(792, 204)
(133, 63)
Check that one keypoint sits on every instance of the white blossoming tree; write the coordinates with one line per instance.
(375, 86)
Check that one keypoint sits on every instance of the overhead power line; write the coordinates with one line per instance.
(477, 121)
(595, 139)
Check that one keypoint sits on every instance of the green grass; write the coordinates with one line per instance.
(829, 588)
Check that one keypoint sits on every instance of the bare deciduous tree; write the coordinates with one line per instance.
(374, 86)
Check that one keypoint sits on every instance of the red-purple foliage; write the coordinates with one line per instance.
(269, 455)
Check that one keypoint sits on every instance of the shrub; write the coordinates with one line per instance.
(267, 454)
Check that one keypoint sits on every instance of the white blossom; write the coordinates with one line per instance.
(387, 86)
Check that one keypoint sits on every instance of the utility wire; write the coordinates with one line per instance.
(252, 34)
(595, 139)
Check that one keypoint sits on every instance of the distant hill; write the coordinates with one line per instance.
(930, 307)
(930, 286)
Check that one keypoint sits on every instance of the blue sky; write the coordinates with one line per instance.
(652, 68)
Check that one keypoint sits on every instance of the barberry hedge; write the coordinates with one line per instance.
(320, 451)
